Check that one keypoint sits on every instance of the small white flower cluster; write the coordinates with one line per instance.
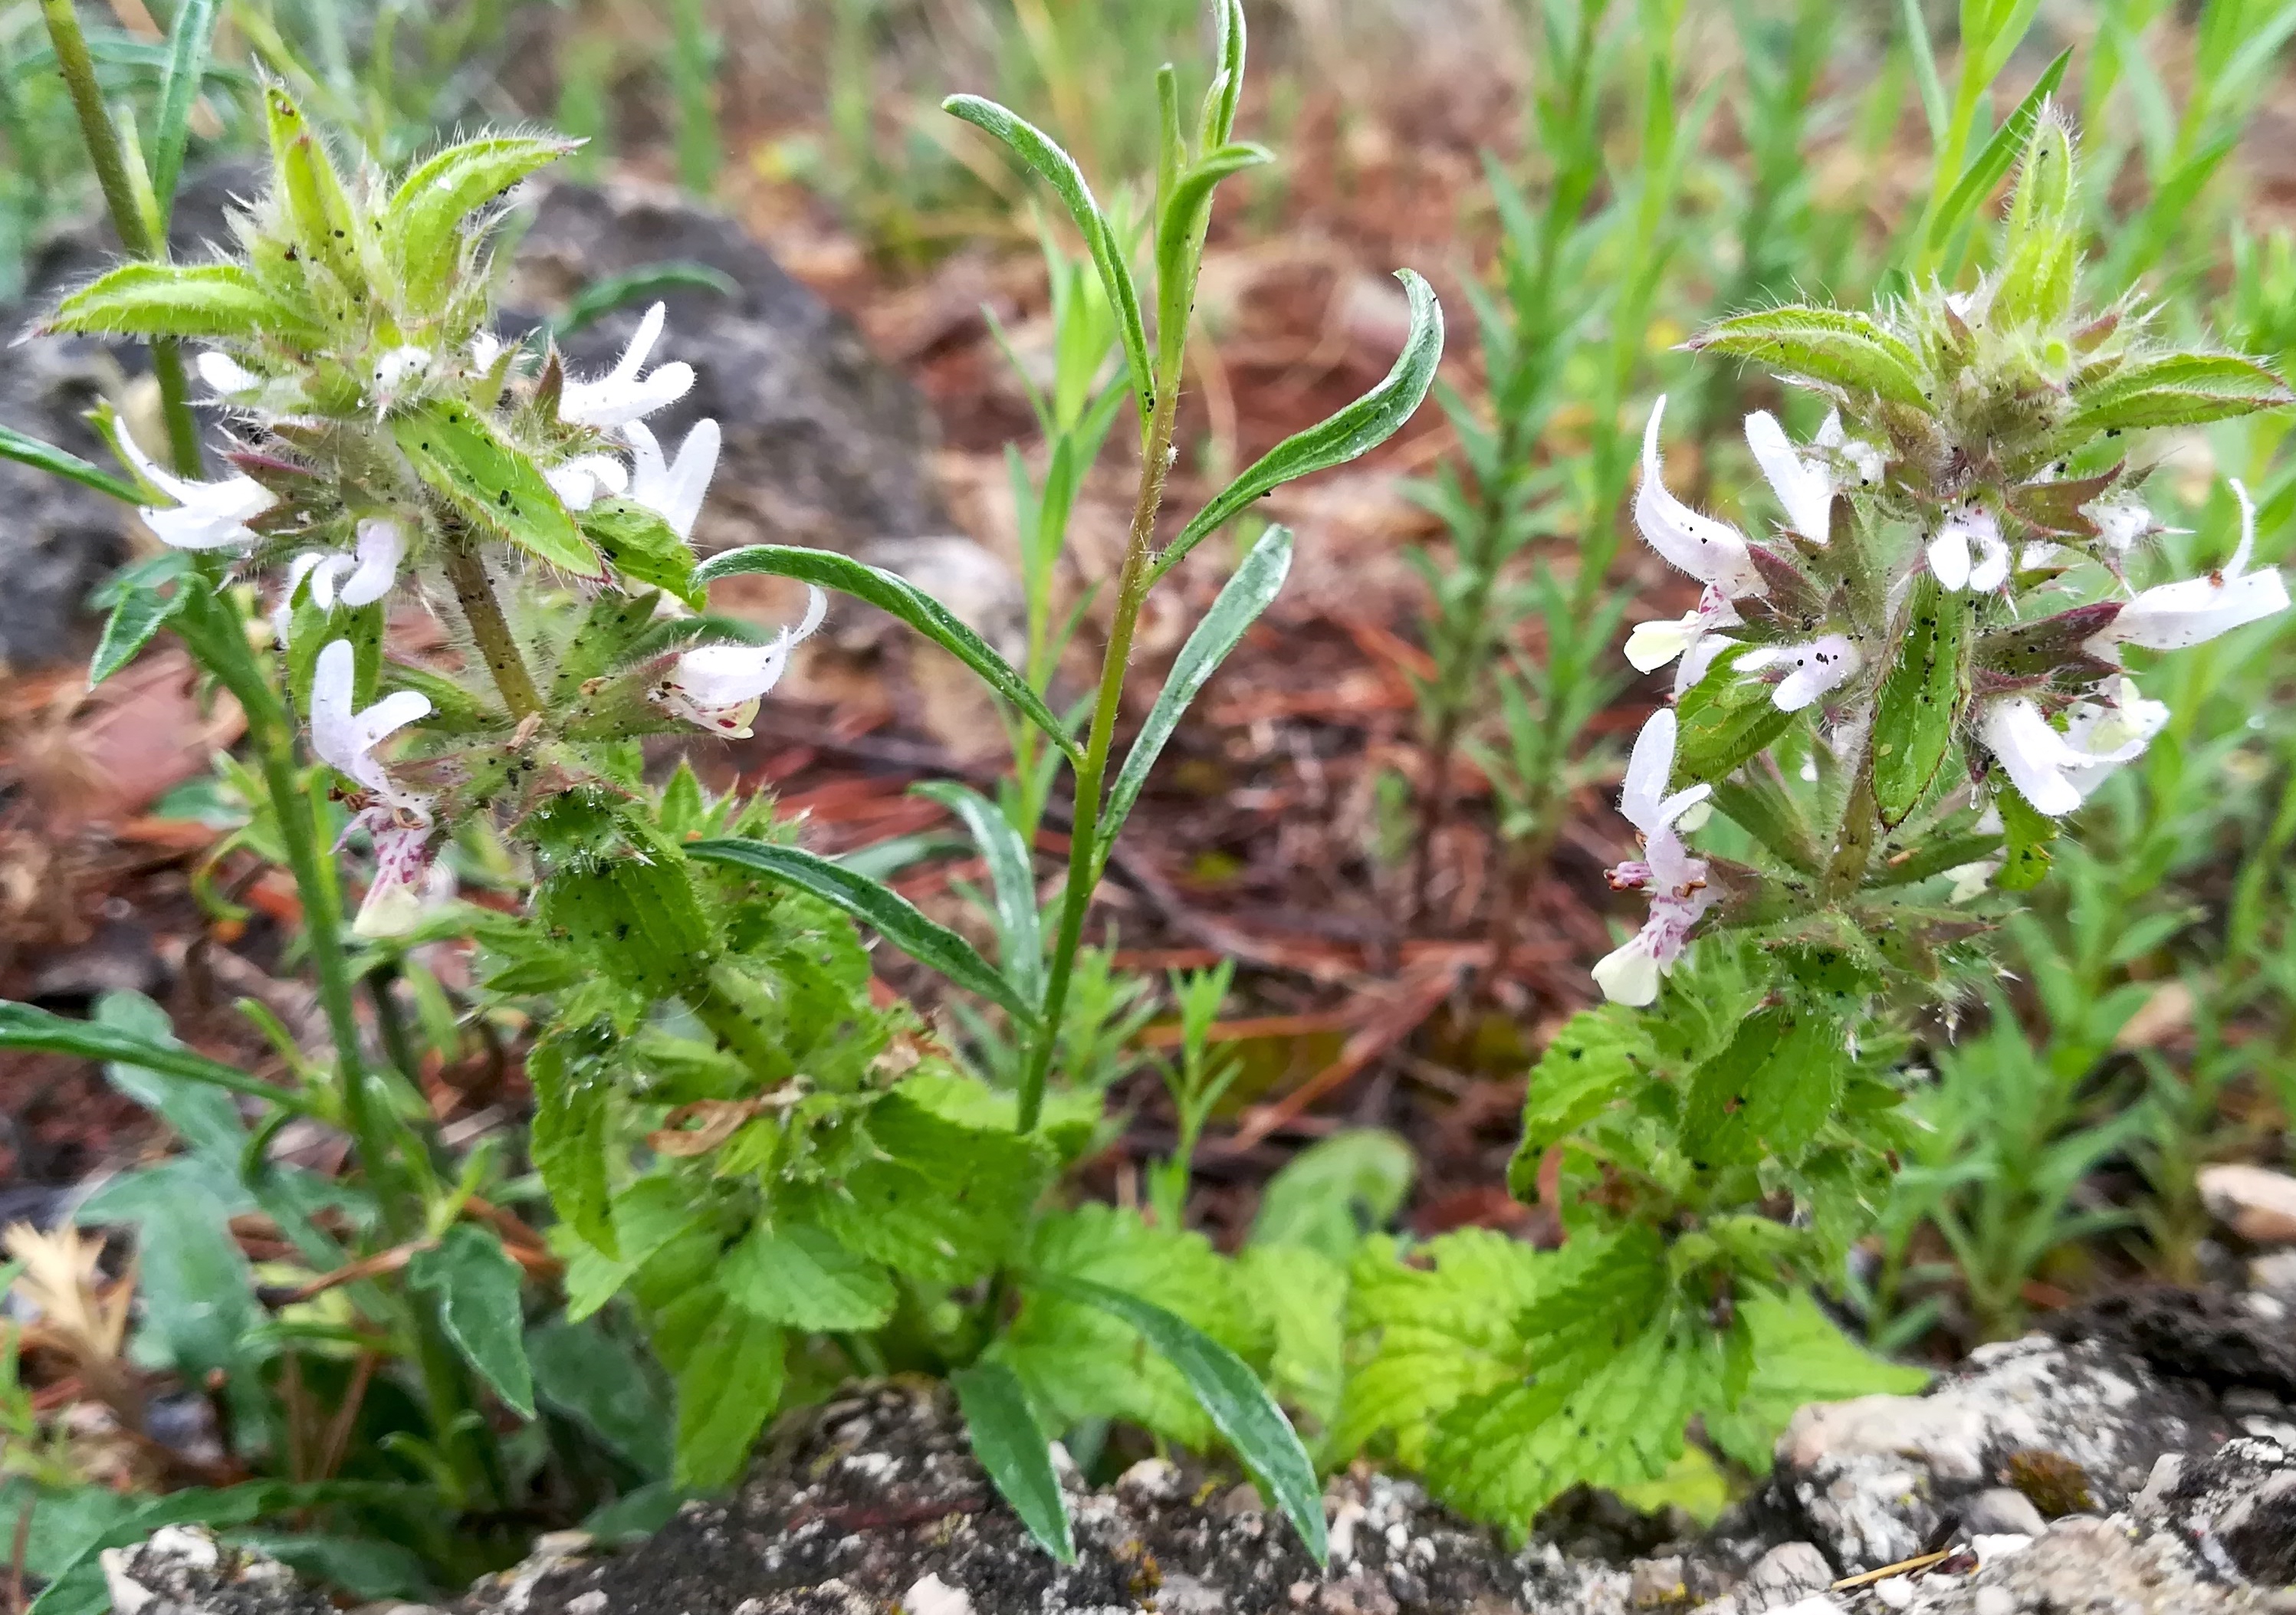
(715, 687)
(2052, 767)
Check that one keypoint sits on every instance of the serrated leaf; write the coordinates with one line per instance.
(1232, 1395)
(24, 1027)
(1354, 432)
(1768, 1090)
(730, 1369)
(2027, 833)
(423, 222)
(891, 592)
(216, 302)
(898, 920)
(1016, 1454)
(642, 548)
(1598, 1058)
(1836, 346)
(478, 1287)
(598, 1381)
(798, 1275)
(635, 918)
(1723, 721)
(491, 484)
(1241, 601)
(1921, 700)
(1041, 153)
(1011, 878)
(142, 612)
(1799, 1356)
(2180, 390)
(48, 457)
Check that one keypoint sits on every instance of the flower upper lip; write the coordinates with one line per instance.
(2178, 616)
(622, 395)
(207, 515)
(1708, 549)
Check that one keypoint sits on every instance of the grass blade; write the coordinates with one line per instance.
(1013, 1451)
(48, 457)
(1013, 875)
(179, 91)
(24, 1027)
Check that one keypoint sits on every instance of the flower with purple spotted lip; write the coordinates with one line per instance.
(1674, 878)
(718, 687)
(399, 821)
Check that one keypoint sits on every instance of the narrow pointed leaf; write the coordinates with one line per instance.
(424, 220)
(24, 1027)
(1014, 1452)
(48, 457)
(892, 591)
(894, 916)
(1992, 164)
(1361, 426)
(1833, 345)
(187, 56)
(1239, 1405)
(2182, 389)
(210, 300)
(139, 615)
(1242, 598)
(1012, 877)
(641, 284)
(477, 1288)
(1041, 153)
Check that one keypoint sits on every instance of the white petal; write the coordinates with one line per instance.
(225, 374)
(2035, 755)
(1653, 644)
(1949, 557)
(1647, 771)
(2178, 616)
(334, 735)
(1628, 974)
(1804, 487)
(381, 548)
(1816, 667)
(622, 395)
(675, 490)
(1706, 549)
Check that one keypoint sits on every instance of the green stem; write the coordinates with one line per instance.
(109, 158)
(490, 630)
(1092, 774)
(1861, 830)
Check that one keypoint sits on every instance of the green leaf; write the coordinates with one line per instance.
(602, 296)
(1723, 721)
(369, 1569)
(197, 1290)
(1799, 1356)
(142, 612)
(1766, 1093)
(1185, 215)
(214, 301)
(1015, 1453)
(494, 486)
(572, 1136)
(1239, 1405)
(1012, 878)
(2181, 389)
(603, 1384)
(423, 222)
(891, 592)
(798, 1275)
(23, 1027)
(642, 548)
(1034, 147)
(1354, 432)
(895, 917)
(1598, 1059)
(2026, 834)
(1831, 345)
(1242, 598)
(187, 53)
(1759, 802)
(1921, 700)
(1335, 1192)
(1991, 166)
(48, 457)
(478, 1287)
(730, 1370)
(309, 189)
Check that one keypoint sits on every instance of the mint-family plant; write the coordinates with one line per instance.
(1887, 704)
(777, 1181)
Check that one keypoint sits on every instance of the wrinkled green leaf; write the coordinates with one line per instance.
(730, 1370)
(142, 612)
(1015, 1453)
(1724, 719)
(800, 1275)
(891, 592)
(602, 1383)
(898, 920)
(478, 1287)
(1594, 1061)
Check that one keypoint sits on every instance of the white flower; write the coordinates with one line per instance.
(227, 375)
(676, 491)
(1713, 551)
(2107, 728)
(1676, 880)
(486, 348)
(2121, 521)
(2176, 615)
(1806, 479)
(208, 516)
(372, 572)
(398, 820)
(2047, 768)
(579, 482)
(394, 369)
(718, 687)
(622, 395)
(1949, 556)
(1971, 880)
(1819, 665)
(1693, 636)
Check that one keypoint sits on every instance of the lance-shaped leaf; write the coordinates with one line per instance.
(1831, 345)
(1361, 426)
(217, 301)
(1921, 700)
(1014, 1452)
(143, 608)
(2026, 834)
(1041, 153)
(2036, 649)
(477, 1288)
(493, 486)
(1179, 239)
(897, 919)
(1992, 164)
(891, 592)
(1240, 1407)
(2181, 389)
(1722, 720)
(48, 457)
(187, 55)
(1242, 598)
(1921, 864)
(643, 285)
(2040, 255)
(1759, 802)
(303, 173)
(422, 224)
(1012, 878)
(24, 1027)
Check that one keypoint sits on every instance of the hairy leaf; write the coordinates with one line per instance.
(423, 222)
(798, 1275)
(1799, 1356)
(2180, 390)
(1830, 345)
(217, 301)
(1598, 1059)
(1723, 719)
(492, 485)
(1921, 700)
(642, 548)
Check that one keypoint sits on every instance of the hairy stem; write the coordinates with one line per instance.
(107, 158)
(490, 630)
(1092, 774)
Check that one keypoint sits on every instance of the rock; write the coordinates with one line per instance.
(2001, 1508)
(184, 1571)
(823, 444)
(2236, 1507)
(2077, 1566)
(2255, 1203)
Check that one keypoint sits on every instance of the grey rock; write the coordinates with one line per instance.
(183, 1571)
(2082, 1566)
(2235, 1508)
(2001, 1510)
